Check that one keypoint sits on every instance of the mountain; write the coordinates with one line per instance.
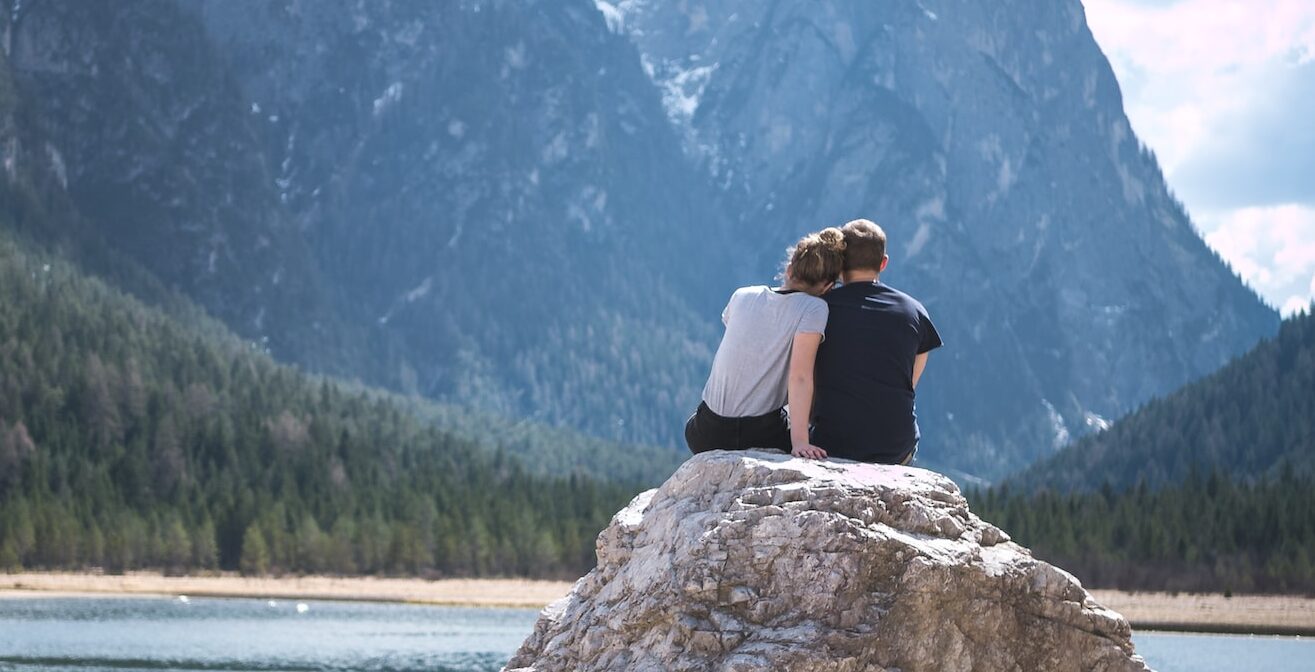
(145, 434)
(493, 189)
(991, 142)
(514, 261)
(538, 208)
(1251, 419)
(131, 438)
(40, 205)
(149, 139)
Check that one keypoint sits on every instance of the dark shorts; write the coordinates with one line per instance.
(706, 431)
(903, 458)
(908, 458)
(872, 450)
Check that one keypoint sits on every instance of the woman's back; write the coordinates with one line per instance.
(767, 354)
(748, 375)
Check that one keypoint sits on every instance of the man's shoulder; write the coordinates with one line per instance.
(848, 293)
(866, 290)
(906, 298)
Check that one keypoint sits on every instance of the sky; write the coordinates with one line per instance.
(1223, 91)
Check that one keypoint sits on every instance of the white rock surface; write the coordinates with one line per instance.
(758, 561)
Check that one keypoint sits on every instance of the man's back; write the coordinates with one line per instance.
(864, 408)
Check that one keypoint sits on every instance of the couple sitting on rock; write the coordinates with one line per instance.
(847, 358)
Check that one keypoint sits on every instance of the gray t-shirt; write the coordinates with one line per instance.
(749, 372)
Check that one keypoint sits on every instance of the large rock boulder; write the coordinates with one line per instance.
(758, 561)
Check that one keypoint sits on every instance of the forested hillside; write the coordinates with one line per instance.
(128, 440)
(1209, 488)
(1211, 532)
(1248, 420)
(545, 449)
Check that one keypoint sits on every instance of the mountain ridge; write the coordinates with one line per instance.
(1252, 418)
(536, 209)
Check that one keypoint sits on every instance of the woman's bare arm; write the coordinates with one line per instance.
(799, 387)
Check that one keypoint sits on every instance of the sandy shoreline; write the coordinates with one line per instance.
(1251, 614)
(461, 592)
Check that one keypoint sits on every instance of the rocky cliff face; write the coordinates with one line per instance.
(148, 136)
(757, 561)
(494, 190)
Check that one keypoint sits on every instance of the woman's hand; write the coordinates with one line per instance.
(808, 451)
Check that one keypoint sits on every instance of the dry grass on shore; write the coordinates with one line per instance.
(1196, 612)
(464, 592)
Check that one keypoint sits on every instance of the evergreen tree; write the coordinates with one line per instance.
(255, 556)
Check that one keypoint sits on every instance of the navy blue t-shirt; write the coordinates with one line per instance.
(863, 409)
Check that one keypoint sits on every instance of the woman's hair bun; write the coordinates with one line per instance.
(818, 257)
(832, 239)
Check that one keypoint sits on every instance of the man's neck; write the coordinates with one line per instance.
(853, 277)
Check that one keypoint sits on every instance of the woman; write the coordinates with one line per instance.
(765, 359)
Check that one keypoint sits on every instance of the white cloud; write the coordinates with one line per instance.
(1272, 248)
(1223, 91)
(1210, 85)
(1194, 36)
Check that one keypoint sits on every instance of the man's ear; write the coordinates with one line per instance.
(884, 260)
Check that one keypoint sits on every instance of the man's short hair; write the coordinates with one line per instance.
(865, 245)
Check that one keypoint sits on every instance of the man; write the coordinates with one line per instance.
(874, 351)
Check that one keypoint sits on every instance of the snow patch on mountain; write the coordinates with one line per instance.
(419, 291)
(1096, 422)
(616, 21)
(388, 98)
(1058, 428)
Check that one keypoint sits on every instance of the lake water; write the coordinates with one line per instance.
(226, 634)
(124, 634)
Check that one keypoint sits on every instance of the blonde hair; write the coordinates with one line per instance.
(817, 258)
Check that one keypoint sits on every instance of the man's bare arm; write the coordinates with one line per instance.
(919, 363)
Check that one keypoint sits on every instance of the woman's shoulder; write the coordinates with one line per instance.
(802, 299)
(751, 290)
(808, 300)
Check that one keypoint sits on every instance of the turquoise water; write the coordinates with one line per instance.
(126, 634)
